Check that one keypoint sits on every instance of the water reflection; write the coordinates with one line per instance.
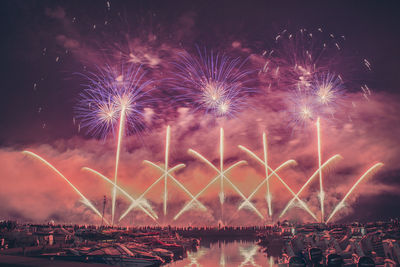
(226, 253)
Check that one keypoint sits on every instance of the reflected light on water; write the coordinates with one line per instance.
(222, 253)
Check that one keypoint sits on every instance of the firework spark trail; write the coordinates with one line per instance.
(221, 166)
(371, 171)
(321, 188)
(267, 177)
(330, 161)
(84, 199)
(166, 174)
(167, 141)
(268, 196)
(151, 214)
(120, 134)
(304, 205)
(215, 179)
(134, 204)
(273, 172)
(221, 177)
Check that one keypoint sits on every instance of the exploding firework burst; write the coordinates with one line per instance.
(212, 82)
(297, 57)
(325, 94)
(327, 88)
(315, 70)
(302, 108)
(111, 94)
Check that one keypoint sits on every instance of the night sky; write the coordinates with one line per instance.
(47, 45)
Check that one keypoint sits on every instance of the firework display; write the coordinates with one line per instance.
(301, 82)
(114, 98)
(212, 82)
(200, 133)
(114, 101)
(222, 177)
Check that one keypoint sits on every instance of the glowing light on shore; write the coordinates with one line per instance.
(221, 177)
(84, 199)
(370, 172)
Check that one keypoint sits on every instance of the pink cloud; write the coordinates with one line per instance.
(34, 192)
